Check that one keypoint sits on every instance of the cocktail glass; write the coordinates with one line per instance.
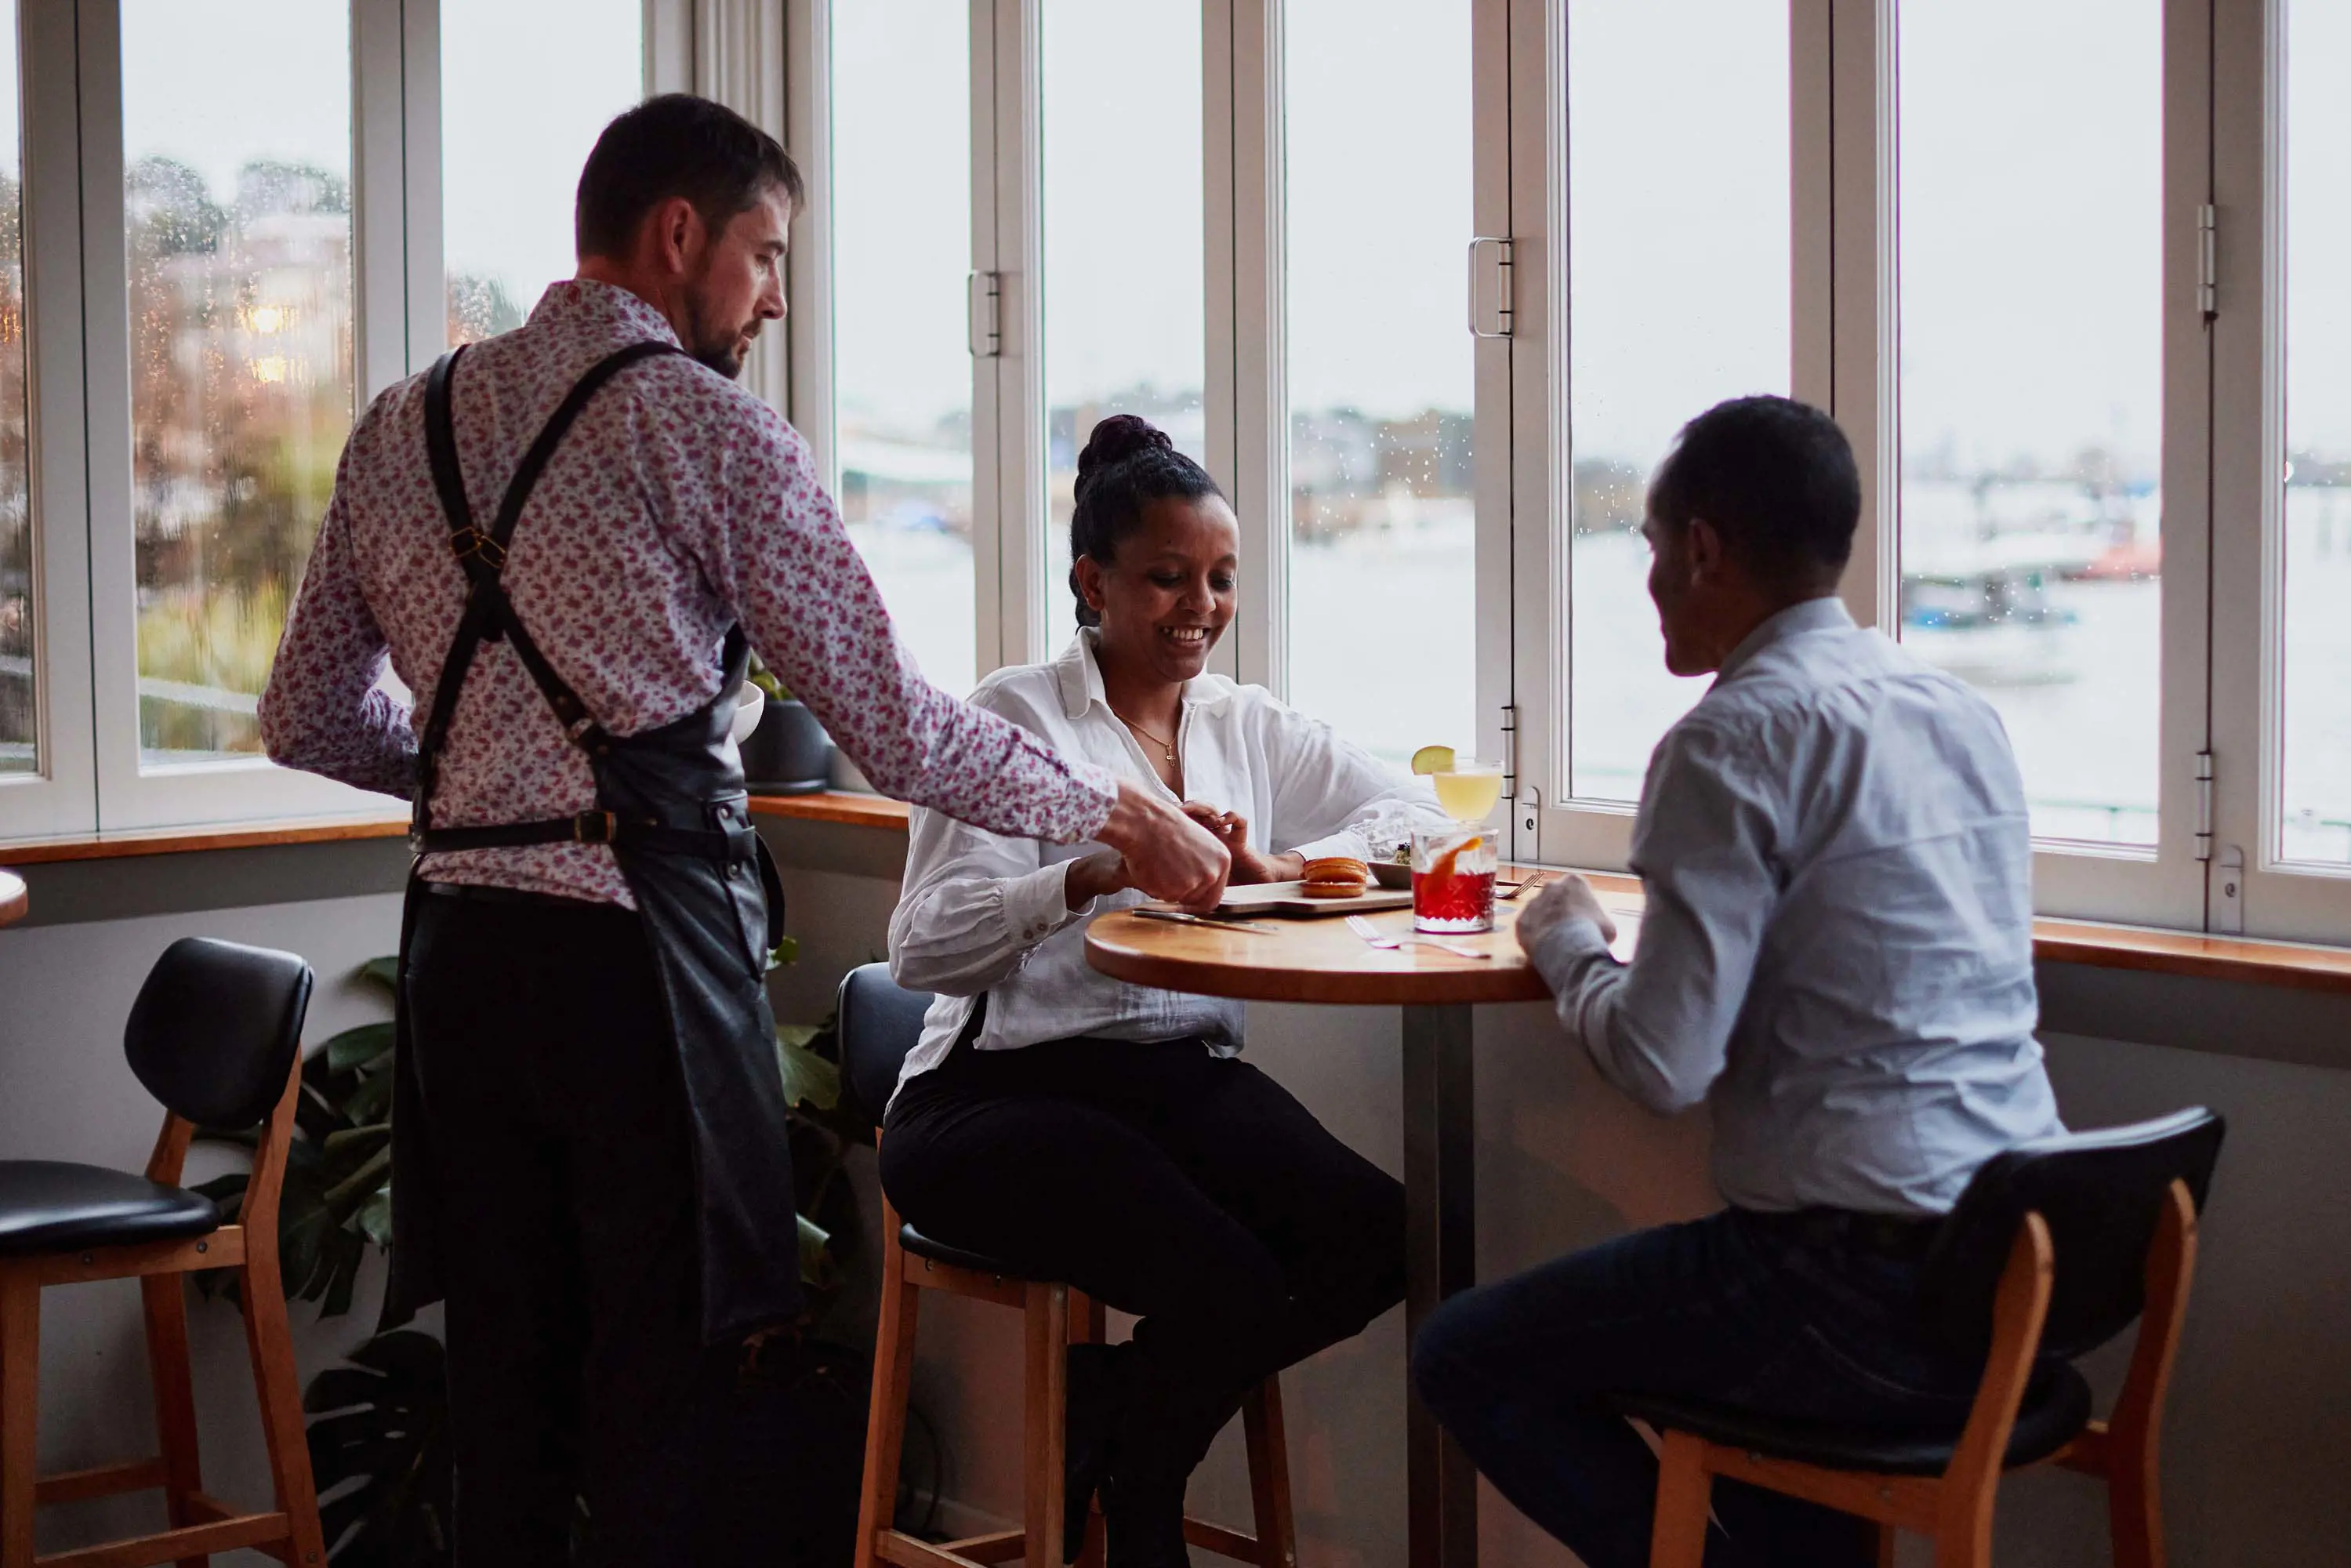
(1469, 789)
(1453, 879)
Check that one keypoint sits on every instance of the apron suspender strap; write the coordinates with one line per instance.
(726, 845)
(488, 616)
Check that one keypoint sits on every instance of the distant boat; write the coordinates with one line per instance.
(1982, 609)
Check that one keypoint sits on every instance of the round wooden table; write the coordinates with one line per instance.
(14, 901)
(1321, 960)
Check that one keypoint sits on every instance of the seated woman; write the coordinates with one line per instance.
(1108, 1135)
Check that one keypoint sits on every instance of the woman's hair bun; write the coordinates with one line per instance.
(1120, 436)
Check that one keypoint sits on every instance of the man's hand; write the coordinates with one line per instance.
(1568, 897)
(1097, 875)
(1231, 829)
(1168, 855)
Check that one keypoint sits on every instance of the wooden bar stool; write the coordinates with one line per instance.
(879, 1023)
(2058, 1244)
(216, 1036)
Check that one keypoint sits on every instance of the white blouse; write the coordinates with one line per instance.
(983, 912)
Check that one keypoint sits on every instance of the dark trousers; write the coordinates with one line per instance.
(1189, 1190)
(1738, 1309)
(566, 1195)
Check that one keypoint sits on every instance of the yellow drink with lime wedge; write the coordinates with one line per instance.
(1468, 793)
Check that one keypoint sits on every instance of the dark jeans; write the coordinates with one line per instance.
(1189, 1190)
(565, 1183)
(1738, 1309)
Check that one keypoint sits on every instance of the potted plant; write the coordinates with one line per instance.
(788, 753)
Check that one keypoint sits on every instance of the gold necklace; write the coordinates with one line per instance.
(1167, 746)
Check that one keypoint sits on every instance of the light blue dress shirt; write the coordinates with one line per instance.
(1838, 951)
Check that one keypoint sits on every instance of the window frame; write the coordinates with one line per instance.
(1846, 321)
(129, 795)
(60, 795)
(90, 778)
(2264, 894)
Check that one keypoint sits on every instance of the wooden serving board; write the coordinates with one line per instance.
(1288, 901)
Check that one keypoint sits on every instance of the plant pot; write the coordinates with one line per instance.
(788, 753)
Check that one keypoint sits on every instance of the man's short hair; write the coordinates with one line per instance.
(676, 145)
(1774, 477)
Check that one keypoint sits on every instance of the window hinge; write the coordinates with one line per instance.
(2203, 805)
(1509, 751)
(1489, 287)
(2207, 261)
(984, 315)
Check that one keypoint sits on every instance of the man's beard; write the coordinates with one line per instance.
(716, 347)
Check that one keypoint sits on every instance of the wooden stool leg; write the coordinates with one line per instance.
(1887, 1536)
(1047, 1320)
(1269, 1468)
(1090, 1324)
(20, 1408)
(164, 1298)
(1685, 1493)
(270, 1341)
(886, 1420)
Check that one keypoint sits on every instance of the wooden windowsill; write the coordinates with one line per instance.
(836, 806)
(2297, 965)
(182, 841)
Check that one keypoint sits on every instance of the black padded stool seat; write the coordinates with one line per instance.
(921, 1246)
(2055, 1411)
(49, 1206)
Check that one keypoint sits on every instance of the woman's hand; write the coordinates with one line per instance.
(1093, 877)
(1231, 829)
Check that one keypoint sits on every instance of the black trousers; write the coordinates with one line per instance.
(1189, 1190)
(565, 1183)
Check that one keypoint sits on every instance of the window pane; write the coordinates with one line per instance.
(510, 159)
(901, 191)
(1678, 298)
(2317, 774)
(19, 731)
(1382, 593)
(2031, 257)
(236, 133)
(1124, 323)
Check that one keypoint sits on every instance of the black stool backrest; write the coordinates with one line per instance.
(879, 1024)
(2101, 1194)
(216, 1029)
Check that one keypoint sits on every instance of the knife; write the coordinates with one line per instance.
(1215, 923)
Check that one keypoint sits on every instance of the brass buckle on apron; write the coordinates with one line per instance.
(595, 828)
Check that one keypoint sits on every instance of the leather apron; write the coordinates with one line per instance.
(671, 804)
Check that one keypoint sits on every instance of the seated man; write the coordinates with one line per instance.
(1837, 958)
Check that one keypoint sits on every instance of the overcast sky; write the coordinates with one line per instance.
(2031, 132)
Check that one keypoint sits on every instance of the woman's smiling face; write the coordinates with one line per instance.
(1169, 594)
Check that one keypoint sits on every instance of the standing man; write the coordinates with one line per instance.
(1836, 957)
(565, 538)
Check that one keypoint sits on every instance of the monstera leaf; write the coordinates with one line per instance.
(383, 1423)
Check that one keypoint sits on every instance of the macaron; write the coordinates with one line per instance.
(1336, 876)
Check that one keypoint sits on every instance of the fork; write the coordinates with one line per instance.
(1371, 933)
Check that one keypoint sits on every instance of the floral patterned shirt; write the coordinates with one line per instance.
(678, 504)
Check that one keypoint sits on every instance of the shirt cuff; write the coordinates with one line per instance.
(1566, 950)
(1038, 904)
(1103, 783)
(1351, 845)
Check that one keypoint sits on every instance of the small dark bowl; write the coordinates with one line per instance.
(1392, 873)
